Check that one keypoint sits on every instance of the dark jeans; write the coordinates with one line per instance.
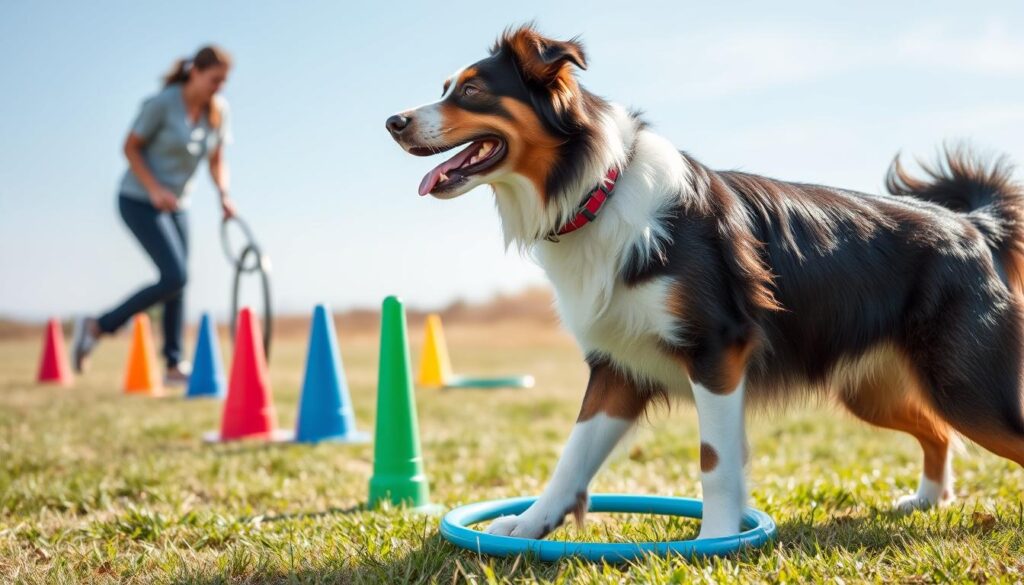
(164, 236)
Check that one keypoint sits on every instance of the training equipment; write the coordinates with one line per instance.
(207, 378)
(250, 259)
(397, 464)
(524, 381)
(249, 409)
(53, 363)
(141, 375)
(325, 408)
(758, 529)
(436, 367)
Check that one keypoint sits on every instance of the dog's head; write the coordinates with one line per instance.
(520, 111)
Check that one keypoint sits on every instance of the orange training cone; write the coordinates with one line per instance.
(53, 364)
(435, 366)
(249, 409)
(141, 375)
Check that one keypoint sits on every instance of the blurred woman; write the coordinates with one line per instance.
(176, 129)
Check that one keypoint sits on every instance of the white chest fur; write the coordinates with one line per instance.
(631, 329)
(629, 324)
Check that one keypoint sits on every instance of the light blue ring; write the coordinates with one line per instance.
(470, 382)
(758, 529)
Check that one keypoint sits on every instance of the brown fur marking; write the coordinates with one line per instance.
(676, 305)
(675, 300)
(708, 458)
(468, 73)
(728, 372)
(732, 368)
(890, 397)
(579, 509)
(533, 151)
(611, 392)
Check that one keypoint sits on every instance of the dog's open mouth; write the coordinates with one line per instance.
(479, 156)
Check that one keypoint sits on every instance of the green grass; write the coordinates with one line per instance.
(99, 487)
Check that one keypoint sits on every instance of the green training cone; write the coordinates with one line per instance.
(397, 463)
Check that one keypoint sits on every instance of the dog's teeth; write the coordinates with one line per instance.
(485, 148)
(473, 160)
(443, 177)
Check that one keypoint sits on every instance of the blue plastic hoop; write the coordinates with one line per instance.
(494, 383)
(758, 529)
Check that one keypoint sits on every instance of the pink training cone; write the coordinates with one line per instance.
(249, 409)
(53, 364)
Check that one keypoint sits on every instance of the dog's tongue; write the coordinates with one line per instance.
(431, 179)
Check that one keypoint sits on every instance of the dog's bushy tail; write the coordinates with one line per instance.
(986, 192)
(982, 399)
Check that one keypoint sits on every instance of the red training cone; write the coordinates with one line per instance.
(53, 365)
(249, 409)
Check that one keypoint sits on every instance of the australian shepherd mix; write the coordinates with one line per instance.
(729, 288)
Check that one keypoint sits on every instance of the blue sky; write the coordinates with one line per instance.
(801, 91)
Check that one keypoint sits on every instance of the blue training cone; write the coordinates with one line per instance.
(325, 408)
(207, 378)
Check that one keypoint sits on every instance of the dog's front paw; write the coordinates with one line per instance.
(539, 519)
(522, 526)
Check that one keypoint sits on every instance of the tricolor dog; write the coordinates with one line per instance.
(732, 289)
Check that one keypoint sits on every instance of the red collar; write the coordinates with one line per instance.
(588, 208)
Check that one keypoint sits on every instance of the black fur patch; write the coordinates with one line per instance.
(851, 271)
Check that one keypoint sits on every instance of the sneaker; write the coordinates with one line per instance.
(84, 342)
(178, 375)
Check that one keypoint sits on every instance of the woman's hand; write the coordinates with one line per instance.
(227, 205)
(163, 199)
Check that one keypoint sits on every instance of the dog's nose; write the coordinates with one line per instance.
(397, 123)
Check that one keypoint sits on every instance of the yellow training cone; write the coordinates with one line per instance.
(140, 374)
(435, 367)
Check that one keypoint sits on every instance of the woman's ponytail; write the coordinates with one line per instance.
(178, 72)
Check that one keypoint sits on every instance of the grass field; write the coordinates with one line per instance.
(99, 487)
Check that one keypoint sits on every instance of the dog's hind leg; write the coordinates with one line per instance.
(975, 410)
(1000, 431)
(887, 402)
(976, 386)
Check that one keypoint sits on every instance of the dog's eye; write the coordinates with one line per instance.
(470, 90)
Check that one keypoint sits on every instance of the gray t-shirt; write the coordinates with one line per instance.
(173, 146)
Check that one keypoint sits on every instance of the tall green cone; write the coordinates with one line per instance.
(397, 463)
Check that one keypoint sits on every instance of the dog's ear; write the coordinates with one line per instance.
(542, 60)
(547, 66)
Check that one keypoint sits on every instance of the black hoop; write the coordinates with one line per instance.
(250, 260)
(225, 243)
